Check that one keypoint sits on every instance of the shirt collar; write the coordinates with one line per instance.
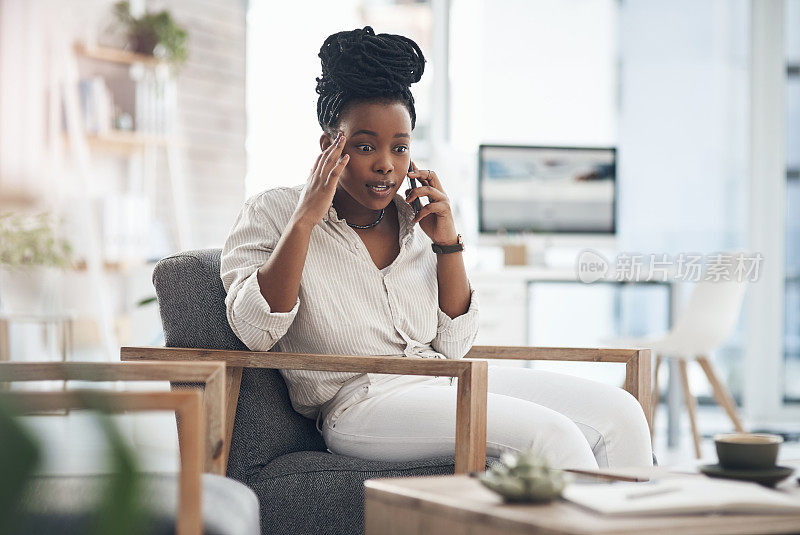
(404, 210)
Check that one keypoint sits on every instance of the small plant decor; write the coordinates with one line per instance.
(29, 241)
(524, 477)
(153, 34)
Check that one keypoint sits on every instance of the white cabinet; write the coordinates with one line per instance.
(503, 310)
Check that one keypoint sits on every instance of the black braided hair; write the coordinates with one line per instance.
(359, 66)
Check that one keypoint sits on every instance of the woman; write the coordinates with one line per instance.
(338, 266)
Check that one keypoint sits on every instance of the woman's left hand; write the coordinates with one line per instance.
(435, 218)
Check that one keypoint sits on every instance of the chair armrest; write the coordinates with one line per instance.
(302, 361)
(208, 375)
(471, 374)
(637, 363)
(187, 406)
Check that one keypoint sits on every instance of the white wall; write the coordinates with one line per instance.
(211, 89)
(548, 72)
(282, 47)
(22, 111)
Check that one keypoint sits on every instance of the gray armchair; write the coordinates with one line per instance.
(277, 452)
(302, 487)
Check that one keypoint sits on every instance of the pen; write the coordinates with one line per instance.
(648, 493)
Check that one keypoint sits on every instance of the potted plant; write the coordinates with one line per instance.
(524, 477)
(31, 260)
(153, 34)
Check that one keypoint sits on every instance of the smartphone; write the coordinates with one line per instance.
(415, 204)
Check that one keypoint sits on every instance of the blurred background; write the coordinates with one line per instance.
(657, 130)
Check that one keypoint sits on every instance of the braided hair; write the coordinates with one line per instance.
(359, 66)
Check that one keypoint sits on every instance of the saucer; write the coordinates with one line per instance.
(769, 477)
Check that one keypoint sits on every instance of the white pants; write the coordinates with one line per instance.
(571, 422)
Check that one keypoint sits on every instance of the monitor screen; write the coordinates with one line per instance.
(546, 189)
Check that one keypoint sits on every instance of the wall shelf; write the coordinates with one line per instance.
(133, 140)
(17, 198)
(115, 55)
(126, 141)
(120, 267)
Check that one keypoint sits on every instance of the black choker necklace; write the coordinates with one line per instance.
(371, 224)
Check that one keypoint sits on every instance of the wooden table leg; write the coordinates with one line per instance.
(5, 348)
(691, 405)
(61, 337)
(5, 341)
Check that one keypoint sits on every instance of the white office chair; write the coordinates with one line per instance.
(707, 320)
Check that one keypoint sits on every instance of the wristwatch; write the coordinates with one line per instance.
(444, 249)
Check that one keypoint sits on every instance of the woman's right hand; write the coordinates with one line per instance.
(321, 186)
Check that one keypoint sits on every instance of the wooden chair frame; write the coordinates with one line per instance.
(471, 372)
(209, 376)
(188, 406)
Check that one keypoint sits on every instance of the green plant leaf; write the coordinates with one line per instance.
(27, 240)
(154, 31)
(146, 301)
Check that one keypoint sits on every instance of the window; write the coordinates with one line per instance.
(791, 339)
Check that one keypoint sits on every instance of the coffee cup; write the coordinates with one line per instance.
(747, 451)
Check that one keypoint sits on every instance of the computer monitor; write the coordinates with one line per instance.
(526, 189)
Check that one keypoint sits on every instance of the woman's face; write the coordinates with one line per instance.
(378, 142)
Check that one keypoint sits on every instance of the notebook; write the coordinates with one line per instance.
(682, 496)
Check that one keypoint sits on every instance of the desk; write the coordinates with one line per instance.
(505, 315)
(460, 505)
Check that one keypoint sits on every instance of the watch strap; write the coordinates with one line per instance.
(445, 249)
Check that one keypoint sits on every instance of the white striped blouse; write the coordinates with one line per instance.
(346, 305)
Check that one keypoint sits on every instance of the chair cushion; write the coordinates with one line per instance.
(266, 425)
(320, 492)
(64, 504)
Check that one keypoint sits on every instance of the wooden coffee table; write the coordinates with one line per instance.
(460, 505)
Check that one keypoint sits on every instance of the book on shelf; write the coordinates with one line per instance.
(97, 106)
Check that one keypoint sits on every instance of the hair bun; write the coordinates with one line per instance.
(360, 63)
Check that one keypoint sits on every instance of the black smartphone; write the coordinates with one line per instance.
(415, 204)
